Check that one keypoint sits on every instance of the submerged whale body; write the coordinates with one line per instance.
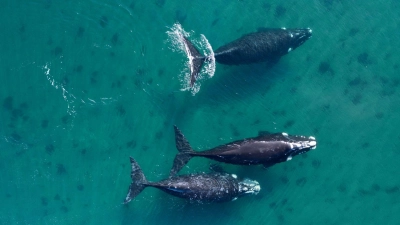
(267, 45)
(216, 187)
(262, 46)
(266, 149)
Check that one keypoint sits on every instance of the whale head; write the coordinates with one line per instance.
(300, 144)
(298, 37)
(248, 186)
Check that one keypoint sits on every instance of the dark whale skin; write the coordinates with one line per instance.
(267, 45)
(202, 188)
(266, 149)
(250, 151)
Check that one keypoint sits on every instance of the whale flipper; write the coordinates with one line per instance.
(184, 155)
(138, 181)
(196, 60)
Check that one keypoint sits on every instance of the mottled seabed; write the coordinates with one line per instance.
(86, 84)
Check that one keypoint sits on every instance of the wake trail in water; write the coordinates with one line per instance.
(176, 39)
(69, 97)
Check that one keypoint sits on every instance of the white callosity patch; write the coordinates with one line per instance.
(297, 145)
(249, 187)
(302, 144)
(313, 144)
(300, 147)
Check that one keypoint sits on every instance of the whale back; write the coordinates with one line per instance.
(265, 45)
(215, 187)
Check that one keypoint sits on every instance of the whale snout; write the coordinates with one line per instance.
(309, 30)
(299, 36)
(312, 144)
(301, 144)
(248, 186)
(304, 34)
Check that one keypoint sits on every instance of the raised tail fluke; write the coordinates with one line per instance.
(185, 152)
(196, 60)
(138, 181)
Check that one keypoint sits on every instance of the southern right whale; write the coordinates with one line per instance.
(214, 187)
(264, 45)
(267, 149)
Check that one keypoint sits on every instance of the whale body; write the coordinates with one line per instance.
(266, 149)
(266, 45)
(215, 187)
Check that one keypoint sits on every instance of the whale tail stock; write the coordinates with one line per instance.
(185, 152)
(196, 60)
(139, 181)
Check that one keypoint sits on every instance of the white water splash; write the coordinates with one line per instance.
(176, 40)
(69, 98)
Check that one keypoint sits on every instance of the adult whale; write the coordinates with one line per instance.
(266, 149)
(215, 187)
(264, 45)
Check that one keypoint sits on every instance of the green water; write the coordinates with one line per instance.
(86, 84)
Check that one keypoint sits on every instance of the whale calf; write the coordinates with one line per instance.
(262, 46)
(266, 149)
(215, 187)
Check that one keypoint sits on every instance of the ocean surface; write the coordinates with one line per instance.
(86, 84)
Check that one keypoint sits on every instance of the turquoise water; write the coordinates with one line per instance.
(86, 84)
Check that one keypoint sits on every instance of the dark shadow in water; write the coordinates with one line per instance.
(280, 11)
(80, 32)
(8, 103)
(103, 21)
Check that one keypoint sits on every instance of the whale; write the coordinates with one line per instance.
(266, 149)
(265, 45)
(201, 188)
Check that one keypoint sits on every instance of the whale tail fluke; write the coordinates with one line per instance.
(185, 152)
(196, 60)
(139, 181)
